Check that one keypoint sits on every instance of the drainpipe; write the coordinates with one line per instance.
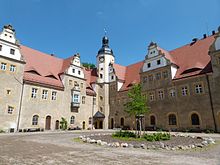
(20, 105)
(211, 103)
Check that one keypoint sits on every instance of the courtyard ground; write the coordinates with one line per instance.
(60, 148)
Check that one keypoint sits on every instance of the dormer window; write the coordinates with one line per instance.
(149, 65)
(12, 51)
(158, 62)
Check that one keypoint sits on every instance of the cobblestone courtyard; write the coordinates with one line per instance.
(60, 148)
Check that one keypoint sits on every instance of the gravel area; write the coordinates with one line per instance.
(49, 148)
(174, 141)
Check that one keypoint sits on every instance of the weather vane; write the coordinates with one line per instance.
(105, 31)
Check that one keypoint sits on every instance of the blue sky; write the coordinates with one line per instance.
(70, 26)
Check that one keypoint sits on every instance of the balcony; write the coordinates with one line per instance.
(74, 107)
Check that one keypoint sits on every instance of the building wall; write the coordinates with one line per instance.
(10, 89)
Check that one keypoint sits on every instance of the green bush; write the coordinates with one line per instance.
(126, 134)
(157, 136)
(1, 131)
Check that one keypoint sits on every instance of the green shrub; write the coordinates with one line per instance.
(63, 123)
(157, 136)
(126, 134)
(1, 131)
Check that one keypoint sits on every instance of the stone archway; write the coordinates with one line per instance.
(48, 123)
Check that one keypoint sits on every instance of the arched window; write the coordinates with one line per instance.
(83, 100)
(72, 120)
(195, 119)
(35, 120)
(122, 121)
(152, 120)
(172, 119)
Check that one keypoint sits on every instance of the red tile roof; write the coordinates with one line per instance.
(193, 57)
(119, 71)
(45, 65)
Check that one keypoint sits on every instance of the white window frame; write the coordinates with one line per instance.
(172, 93)
(12, 68)
(3, 66)
(151, 96)
(161, 94)
(34, 93)
(198, 88)
(184, 91)
(76, 98)
(44, 94)
(35, 120)
(72, 119)
(54, 95)
(10, 110)
(12, 51)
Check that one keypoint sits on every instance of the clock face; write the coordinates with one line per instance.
(101, 59)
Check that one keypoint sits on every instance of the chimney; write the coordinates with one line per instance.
(204, 36)
(213, 32)
(194, 40)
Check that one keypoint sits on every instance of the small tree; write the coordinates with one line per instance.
(137, 105)
(63, 123)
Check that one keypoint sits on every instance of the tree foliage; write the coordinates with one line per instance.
(88, 65)
(63, 123)
(138, 102)
(137, 105)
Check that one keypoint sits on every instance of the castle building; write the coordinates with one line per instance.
(38, 90)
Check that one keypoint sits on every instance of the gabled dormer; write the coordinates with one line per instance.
(157, 58)
(9, 46)
(75, 68)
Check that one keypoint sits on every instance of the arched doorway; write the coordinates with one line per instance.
(48, 123)
(57, 124)
(84, 125)
(195, 119)
(112, 123)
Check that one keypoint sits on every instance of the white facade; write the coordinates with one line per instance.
(8, 44)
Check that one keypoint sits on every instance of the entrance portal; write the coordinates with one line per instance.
(48, 123)
(57, 124)
(84, 125)
(98, 120)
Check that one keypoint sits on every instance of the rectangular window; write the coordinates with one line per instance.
(44, 94)
(112, 77)
(158, 62)
(158, 76)
(8, 92)
(12, 51)
(184, 91)
(101, 98)
(0, 47)
(145, 79)
(79, 72)
(151, 97)
(73, 70)
(10, 110)
(165, 74)
(83, 100)
(94, 101)
(76, 98)
(149, 65)
(101, 76)
(150, 77)
(12, 68)
(34, 93)
(3, 66)
(54, 95)
(198, 89)
(172, 93)
(161, 95)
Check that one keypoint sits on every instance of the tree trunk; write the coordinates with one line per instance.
(140, 127)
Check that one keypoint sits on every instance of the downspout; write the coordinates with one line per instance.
(211, 103)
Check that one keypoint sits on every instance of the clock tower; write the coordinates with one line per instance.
(105, 59)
